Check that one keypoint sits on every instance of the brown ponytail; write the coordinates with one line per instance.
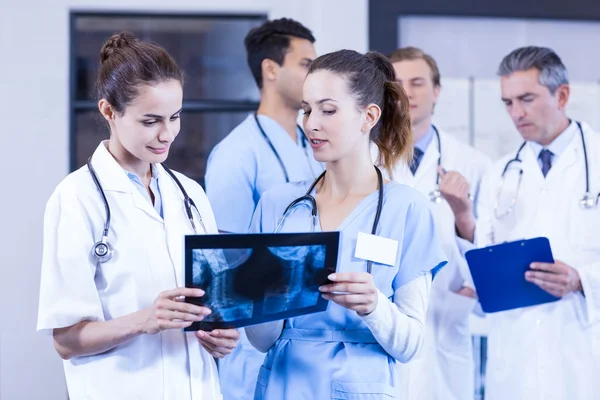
(395, 136)
(372, 80)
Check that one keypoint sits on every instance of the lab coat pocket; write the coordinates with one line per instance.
(596, 340)
(262, 383)
(583, 232)
(362, 391)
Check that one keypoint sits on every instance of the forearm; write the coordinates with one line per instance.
(465, 227)
(399, 326)
(94, 337)
(264, 336)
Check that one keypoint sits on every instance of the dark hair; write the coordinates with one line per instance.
(371, 80)
(271, 41)
(127, 63)
(414, 53)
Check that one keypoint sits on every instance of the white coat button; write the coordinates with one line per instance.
(538, 322)
(544, 191)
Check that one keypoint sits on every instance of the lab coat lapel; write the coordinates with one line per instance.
(175, 221)
(110, 174)
(113, 178)
(427, 170)
(572, 153)
(401, 170)
(403, 175)
(531, 166)
(144, 205)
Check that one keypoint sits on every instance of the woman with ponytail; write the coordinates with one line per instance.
(379, 294)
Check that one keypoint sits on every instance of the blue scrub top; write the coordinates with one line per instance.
(240, 169)
(243, 166)
(313, 369)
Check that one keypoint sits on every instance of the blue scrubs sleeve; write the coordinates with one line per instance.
(229, 180)
(266, 214)
(421, 247)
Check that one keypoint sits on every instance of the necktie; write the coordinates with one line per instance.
(417, 157)
(546, 158)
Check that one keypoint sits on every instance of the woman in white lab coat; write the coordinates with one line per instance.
(117, 322)
(549, 351)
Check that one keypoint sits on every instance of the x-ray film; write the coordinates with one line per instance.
(250, 279)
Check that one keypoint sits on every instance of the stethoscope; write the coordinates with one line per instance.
(586, 202)
(313, 207)
(276, 154)
(102, 251)
(436, 195)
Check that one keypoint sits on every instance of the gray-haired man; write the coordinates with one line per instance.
(547, 351)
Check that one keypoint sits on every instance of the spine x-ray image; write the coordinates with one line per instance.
(256, 282)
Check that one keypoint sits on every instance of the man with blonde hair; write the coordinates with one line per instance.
(444, 369)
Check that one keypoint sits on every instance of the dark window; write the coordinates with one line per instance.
(219, 90)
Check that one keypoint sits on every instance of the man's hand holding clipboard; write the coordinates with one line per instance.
(556, 278)
(519, 274)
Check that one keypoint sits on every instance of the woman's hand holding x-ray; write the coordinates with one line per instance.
(353, 290)
(169, 311)
(94, 337)
(219, 342)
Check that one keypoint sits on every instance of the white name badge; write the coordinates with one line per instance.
(376, 248)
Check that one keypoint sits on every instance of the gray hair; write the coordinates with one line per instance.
(553, 72)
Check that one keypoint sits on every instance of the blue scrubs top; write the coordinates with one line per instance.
(243, 166)
(240, 168)
(300, 368)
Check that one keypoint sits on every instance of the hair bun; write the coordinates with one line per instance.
(115, 42)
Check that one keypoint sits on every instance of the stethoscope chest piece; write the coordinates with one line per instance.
(587, 201)
(102, 251)
(435, 195)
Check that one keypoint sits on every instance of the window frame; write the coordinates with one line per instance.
(208, 105)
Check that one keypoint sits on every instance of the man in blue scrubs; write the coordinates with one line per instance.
(266, 149)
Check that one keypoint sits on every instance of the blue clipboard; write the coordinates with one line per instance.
(499, 274)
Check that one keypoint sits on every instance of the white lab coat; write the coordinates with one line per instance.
(148, 259)
(444, 368)
(549, 351)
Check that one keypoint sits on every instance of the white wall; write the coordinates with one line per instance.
(473, 47)
(34, 73)
(468, 51)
